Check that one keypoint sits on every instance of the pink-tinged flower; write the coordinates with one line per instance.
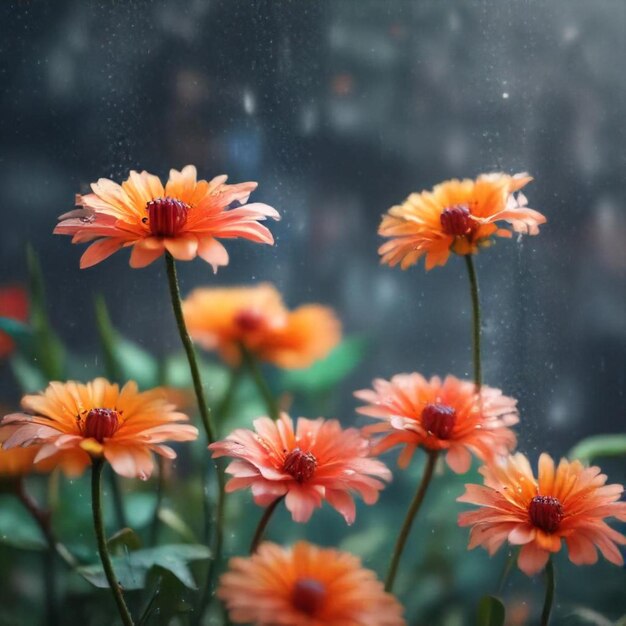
(456, 216)
(441, 415)
(71, 423)
(14, 305)
(305, 586)
(317, 461)
(185, 218)
(568, 502)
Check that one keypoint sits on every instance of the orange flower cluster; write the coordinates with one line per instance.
(458, 216)
(71, 423)
(225, 319)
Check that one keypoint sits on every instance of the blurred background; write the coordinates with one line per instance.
(339, 110)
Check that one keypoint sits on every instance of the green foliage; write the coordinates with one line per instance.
(490, 612)
(327, 373)
(29, 377)
(123, 541)
(599, 446)
(17, 529)
(132, 568)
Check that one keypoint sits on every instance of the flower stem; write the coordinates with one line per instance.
(549, 599)
(431, 460)
(96, 503)
(203, 407)
(253, 366)
(263, 522)
(471, 272)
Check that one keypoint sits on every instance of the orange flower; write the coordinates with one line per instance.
(318, 461)
(569, 502)
(440, 415)
(16, 461)
(72, 422)
(305, 586)
(457, 215)
(255, 317)
(14, 305)
(185, 218)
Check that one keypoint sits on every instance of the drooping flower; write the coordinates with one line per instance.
(305, 585)
(441, 415)
(186, 218)
(72, 423)
(224, 319)
(14, 305)
(569, 502)
(458, 216)
(317, 461)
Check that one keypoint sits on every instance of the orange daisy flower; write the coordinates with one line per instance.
(305, 586)
(224, 319)
(316, 461)
(16, 462)
(14, 305)
(72, 422)
(568, 502)
(458, 216)
(443, 415)
(186, 218)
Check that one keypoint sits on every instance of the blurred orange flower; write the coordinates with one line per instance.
(305, 586)
(443, 415)
(317, 461)
(186, 217)
(568, 502)
(16, 461)
(72, 422)
(458, 216)
(226, 318)
(14, 305)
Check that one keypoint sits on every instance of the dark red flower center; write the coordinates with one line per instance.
(456, 220)
(248, 320)
(301, 465)
(166, 216)
(100, 424)
(439, 419)
(308, 595)
(546, 513)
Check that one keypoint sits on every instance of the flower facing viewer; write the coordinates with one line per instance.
(225, 319)
(441, 415)
(305, 586)
(315, 461)
(458, 216)
(74, 422)
(186, 217)
(569, 502)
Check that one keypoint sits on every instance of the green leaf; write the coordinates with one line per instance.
(30, 378)
(599, 446)
(328, 372)
(175, 522)
(49, 350)
(490, 612)
(124, 540)
(17, 528)
(132, 569)
(123, 359)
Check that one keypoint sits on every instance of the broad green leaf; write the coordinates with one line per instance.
(124, 540)
(17, 528)
(328, 372)
(132, 569)
(123, 359)
(48, 349)
(599, 446)
(490, 612)
(30, 378)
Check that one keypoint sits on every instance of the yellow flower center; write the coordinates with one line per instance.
(101, 424)
(308, 595)
(166, 216)
(546, 513)
(439, 420)
(301, 465)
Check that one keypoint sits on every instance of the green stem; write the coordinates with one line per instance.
(160, 488)
(471, 272)
(549, 599)
(263, 522)
(96, 503)
(255, 371)
(431, 461)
